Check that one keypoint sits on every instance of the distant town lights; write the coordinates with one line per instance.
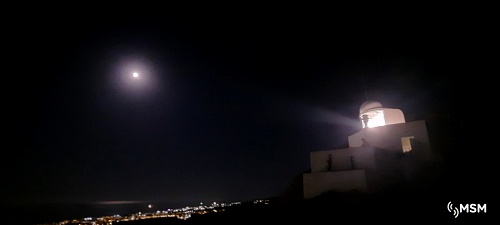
(179, 213)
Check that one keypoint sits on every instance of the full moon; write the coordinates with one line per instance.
(135, 74)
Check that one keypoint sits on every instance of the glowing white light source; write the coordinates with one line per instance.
(150, 206)
(135, 74)
(375, 118)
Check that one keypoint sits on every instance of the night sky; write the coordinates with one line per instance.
(228, 104)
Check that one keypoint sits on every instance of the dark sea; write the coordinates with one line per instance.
(44, 213)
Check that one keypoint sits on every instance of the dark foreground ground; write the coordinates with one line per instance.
(423, 201)
(394, 207)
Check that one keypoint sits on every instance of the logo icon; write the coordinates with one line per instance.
(452, 209)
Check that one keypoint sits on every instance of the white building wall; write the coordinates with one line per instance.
(318, 183)
(343, 159)
(393, 116)
(389, 137)
(374, 159)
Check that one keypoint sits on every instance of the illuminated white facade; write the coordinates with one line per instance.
(386, 151)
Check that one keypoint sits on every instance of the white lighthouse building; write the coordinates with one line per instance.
(387, 150)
